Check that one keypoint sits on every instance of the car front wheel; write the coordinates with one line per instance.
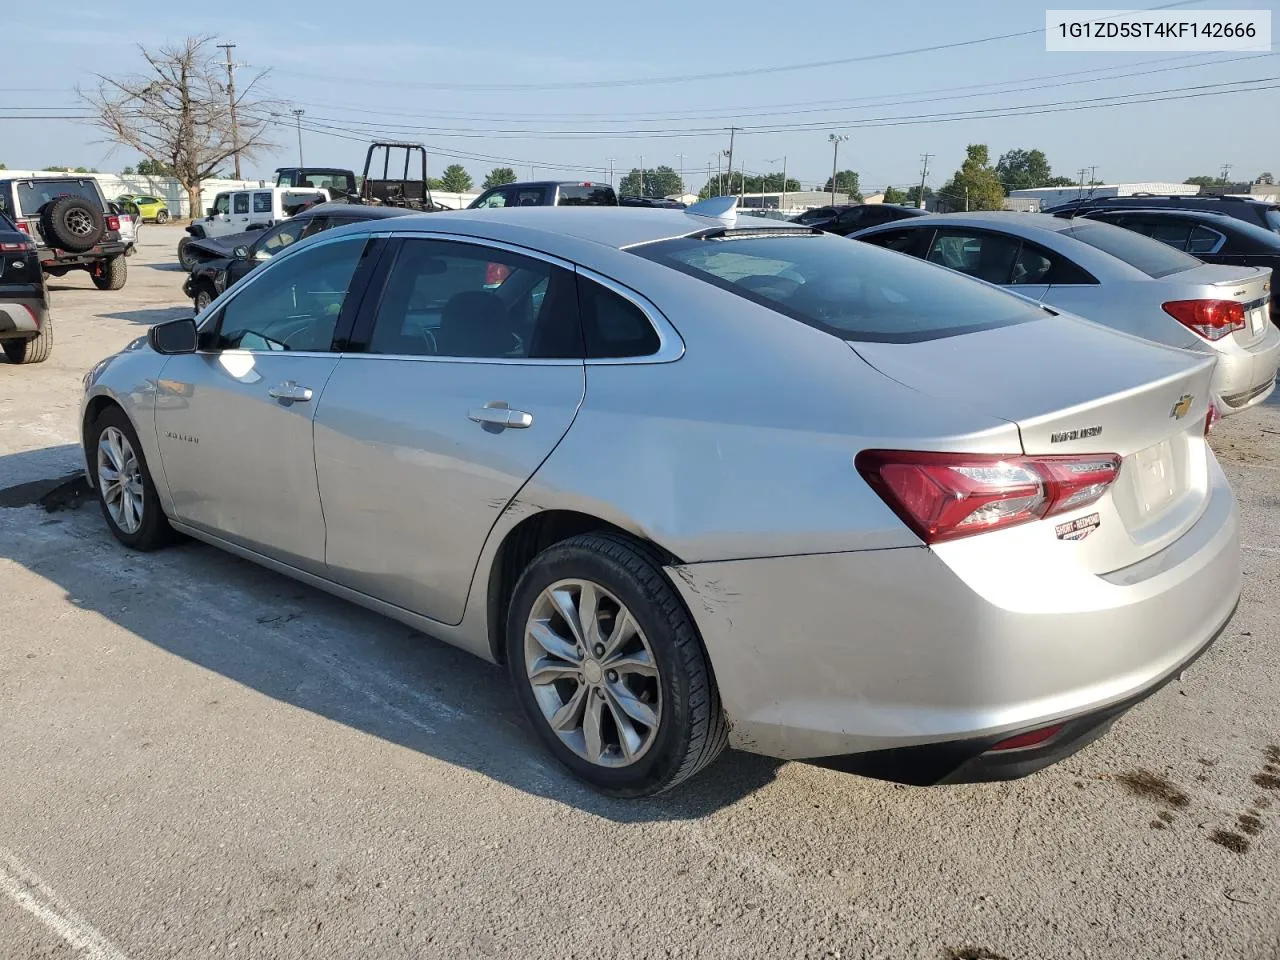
(126, 491)
(162, 216)
(609, 668)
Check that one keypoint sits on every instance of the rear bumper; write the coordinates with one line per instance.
(830, 655)
(1245, 378)
(22, 316)
(61, 258)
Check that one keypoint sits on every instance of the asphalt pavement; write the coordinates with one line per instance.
(200, 758)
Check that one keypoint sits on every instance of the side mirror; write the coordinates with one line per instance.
(210, 212)
(173, 337)
(241, 252)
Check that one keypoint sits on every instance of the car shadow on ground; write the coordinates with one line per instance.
(332, 658)
(149, 316)
(166, 267)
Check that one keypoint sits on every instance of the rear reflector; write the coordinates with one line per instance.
(1031, 739)
(1212, 319)
(945, 496)
(1211, 418)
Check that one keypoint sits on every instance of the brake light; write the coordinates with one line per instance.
(113, 222)
(1211, 418)
(1212, 319)
(945, 496)
(23, 227)
(21, 247)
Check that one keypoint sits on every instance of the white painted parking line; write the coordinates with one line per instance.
(29, 892)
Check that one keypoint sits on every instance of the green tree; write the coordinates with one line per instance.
(455, 179)
(58, 169)
(1203, 181)
(497, 177)
(661, 181)
(913, 195)
(846, 182)
(976, 185)
(1059, 182)
(1261, 178)
(152, 168)
(749, 183)
(894, 195)
(127, 172)
(435, 183)
(1021, 169)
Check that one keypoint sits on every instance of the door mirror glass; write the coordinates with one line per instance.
(210, 212)
(175, 336)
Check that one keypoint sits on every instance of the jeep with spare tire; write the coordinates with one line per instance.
(71, 225)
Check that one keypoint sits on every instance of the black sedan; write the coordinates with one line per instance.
(224, 260)
(1211, 237)
(26, 330)
(843, 220)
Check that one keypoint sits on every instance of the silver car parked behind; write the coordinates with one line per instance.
(697, 481)
(1115, 277)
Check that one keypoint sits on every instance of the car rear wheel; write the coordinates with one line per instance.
(204, 296)
(609, 668)
(162, 216)
(111, 274)
(185, 259)
(126, 491)
(35, 350)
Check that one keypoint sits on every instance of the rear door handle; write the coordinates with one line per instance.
(498, 414)
(290, 391)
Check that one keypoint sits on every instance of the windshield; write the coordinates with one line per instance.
(1152, 257)
(33, 196)
(853, 290)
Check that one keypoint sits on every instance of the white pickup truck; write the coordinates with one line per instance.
(235, 211)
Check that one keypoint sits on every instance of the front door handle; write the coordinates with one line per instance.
(498, 414)
(290, 391)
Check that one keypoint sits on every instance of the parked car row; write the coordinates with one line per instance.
(702, 480)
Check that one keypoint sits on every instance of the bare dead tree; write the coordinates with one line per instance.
(178, 113)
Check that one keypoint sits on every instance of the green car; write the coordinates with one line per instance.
(149, 208)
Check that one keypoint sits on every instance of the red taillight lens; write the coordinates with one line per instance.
(23, 227)
(944, 496)
(1211, 418)
(1031, 738)
(16, 247)
(113, 222)
(1212, 319)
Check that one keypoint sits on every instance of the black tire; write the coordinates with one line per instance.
(692, 730)
(162, 216)
(154, 531)
(72, 223)
(36, 350)
(56, 272)
(112, 274)
(185, 259)
(204, 295)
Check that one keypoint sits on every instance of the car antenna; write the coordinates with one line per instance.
(722, 209)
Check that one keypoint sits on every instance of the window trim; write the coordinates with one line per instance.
(1217, 247)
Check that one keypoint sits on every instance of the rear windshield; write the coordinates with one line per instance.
(33, 196)
(852, 290)
(1152, 257)
(1273, 219)
(587, 196)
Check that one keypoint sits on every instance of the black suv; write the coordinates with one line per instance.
(26, 332)
(222, 261)
(70, 224)
(1257, 212)
(1211, 237)
(547, 193)
(844, 219)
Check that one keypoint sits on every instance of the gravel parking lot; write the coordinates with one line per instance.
(199, 758)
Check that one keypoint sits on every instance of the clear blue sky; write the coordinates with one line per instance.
(374, 73)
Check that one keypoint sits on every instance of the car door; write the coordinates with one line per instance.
(262, 215)
(469, 371)
(240, 216)
(218, 222)
(234, 420)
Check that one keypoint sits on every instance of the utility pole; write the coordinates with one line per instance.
(1093, 177)
(732, 131)
(1226, 169)
(924, 172)
(1082, 171)
(297, 117)
(784, 184)
(642, 174)
(231, 96)
(719, 175)
(681, 156)
(966, 198)
(836, 140)
(611, 159)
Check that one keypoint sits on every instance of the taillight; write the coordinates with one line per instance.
(1212, 319)
(113, 222)
(944, 496)
(23, 227)
(1211, 418)
(21, 247)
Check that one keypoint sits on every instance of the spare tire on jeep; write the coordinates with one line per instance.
(71, 223)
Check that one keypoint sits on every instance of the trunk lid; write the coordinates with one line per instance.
(1072, 387)
(1250, 286)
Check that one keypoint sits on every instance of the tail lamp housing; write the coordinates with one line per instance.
(1211, 319)
(946, 496)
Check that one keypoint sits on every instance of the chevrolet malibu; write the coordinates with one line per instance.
(698, 481)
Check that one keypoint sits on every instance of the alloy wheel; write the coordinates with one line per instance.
(79, 223)
(120, 479)
(593, 673)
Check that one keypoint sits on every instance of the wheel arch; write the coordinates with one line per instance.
(94, 407)
(529, 537)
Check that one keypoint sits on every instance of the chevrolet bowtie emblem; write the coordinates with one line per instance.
(1181, 407)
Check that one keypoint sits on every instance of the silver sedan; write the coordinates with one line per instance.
(697, 481)
(1117, 278)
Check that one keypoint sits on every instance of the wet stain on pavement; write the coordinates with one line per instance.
(1234, 842)
(1152, 786)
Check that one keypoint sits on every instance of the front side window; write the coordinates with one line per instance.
(498, 198)
(262, 202)
(528, 197)
(1144, 254)
(448, 299)
(222, 203)
(1171, 230)
(278, 238)
(292, 305)
(241, 203)
(852, 290)
(986, 256)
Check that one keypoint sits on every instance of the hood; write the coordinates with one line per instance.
(224, 246)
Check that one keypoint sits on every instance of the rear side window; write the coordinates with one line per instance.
(240, 203)
(1151, 257)
(906, 240)
(852, 290)
(262, 203)
(587, 195)
(33, 196)
(613, 326)
(987, 256)
(1204, 240)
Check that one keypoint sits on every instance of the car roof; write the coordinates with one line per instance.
(358, 210)
(550, 183)
(616, 227)
(1169, 212)
(1008, 219)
